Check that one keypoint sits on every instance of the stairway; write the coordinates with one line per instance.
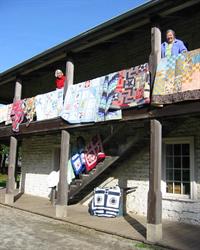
(117, 145)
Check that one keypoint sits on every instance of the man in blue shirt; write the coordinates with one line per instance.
(172, 46)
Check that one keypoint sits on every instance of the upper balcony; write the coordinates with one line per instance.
(121, 43)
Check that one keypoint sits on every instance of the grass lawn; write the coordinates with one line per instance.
(3, 178)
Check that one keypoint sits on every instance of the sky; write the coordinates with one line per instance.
(29, 27)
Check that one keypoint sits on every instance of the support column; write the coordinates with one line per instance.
(154, 212)
(69, 74)
(155, 55)
(61, 206)
(10, 188)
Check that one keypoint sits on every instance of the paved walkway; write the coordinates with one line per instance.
(175, 235)
(20, 231)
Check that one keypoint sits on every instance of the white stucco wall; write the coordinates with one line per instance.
(37, 163)
(135, 172)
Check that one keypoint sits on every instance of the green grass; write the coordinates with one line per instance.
(147, 247)
(3, 179)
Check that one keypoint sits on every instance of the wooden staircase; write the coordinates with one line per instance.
(116, 152)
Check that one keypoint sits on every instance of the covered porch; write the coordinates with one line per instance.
(131, 226)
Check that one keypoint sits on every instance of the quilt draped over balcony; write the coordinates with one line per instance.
(3, 112)
(89, 101)
(177, 79)
(49, 105)
(133, 87)
(97, 99)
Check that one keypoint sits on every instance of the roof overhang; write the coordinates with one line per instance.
(130, 20)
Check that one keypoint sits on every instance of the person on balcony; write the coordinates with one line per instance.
(60, 79)
(172, 46)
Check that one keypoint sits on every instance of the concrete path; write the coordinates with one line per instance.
(22, 230)
(176, 235)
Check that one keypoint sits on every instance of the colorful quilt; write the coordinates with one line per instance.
(94, 153)
(89, 101)
(49, 105)
(70, 172)
(77, 163)
(17, 114)
(108, 86)
(177, 78)
(81, 102)
(3, 112)
(29, 110)
(106, 202)
(8, 119)
(133, 87)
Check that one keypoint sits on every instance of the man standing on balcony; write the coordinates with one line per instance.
(173, 46)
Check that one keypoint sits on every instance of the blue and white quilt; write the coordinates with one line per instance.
(106, 202)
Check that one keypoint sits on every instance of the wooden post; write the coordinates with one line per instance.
(61, 206)
(9, 196)
(155, 55)
(69, 74)
(154, 212)
(18, 90)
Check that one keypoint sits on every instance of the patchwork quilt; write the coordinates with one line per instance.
(3, 113)
(108, 86)
(8, 119)
(106, 202)
(133, 87)
(94, 153)
(17, 114)
(29, 110)
(177, 78)
(89, 101)
(81, 102)
(49, 105)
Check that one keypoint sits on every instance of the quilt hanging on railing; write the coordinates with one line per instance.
(86, 102)
(177, 79)
(133, 87)
(49, 105)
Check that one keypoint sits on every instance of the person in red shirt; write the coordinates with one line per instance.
(60, 79)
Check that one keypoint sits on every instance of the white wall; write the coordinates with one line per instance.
(37, 163)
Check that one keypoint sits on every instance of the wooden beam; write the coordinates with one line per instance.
(11, 165)
(69, 74)
(154, 211)
(155, 55)
(18, 90)
(61, 206)
(9, 196)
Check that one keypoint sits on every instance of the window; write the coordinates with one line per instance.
(179, 167)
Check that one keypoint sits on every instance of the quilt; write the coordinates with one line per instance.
(133, 87)
(29, 110)
(106, 202)
(81, 102)
(49, 105)
(3, 112)
(94, 153)
(108, 86)
(17, 114)
(8, 119)
(177, 78)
